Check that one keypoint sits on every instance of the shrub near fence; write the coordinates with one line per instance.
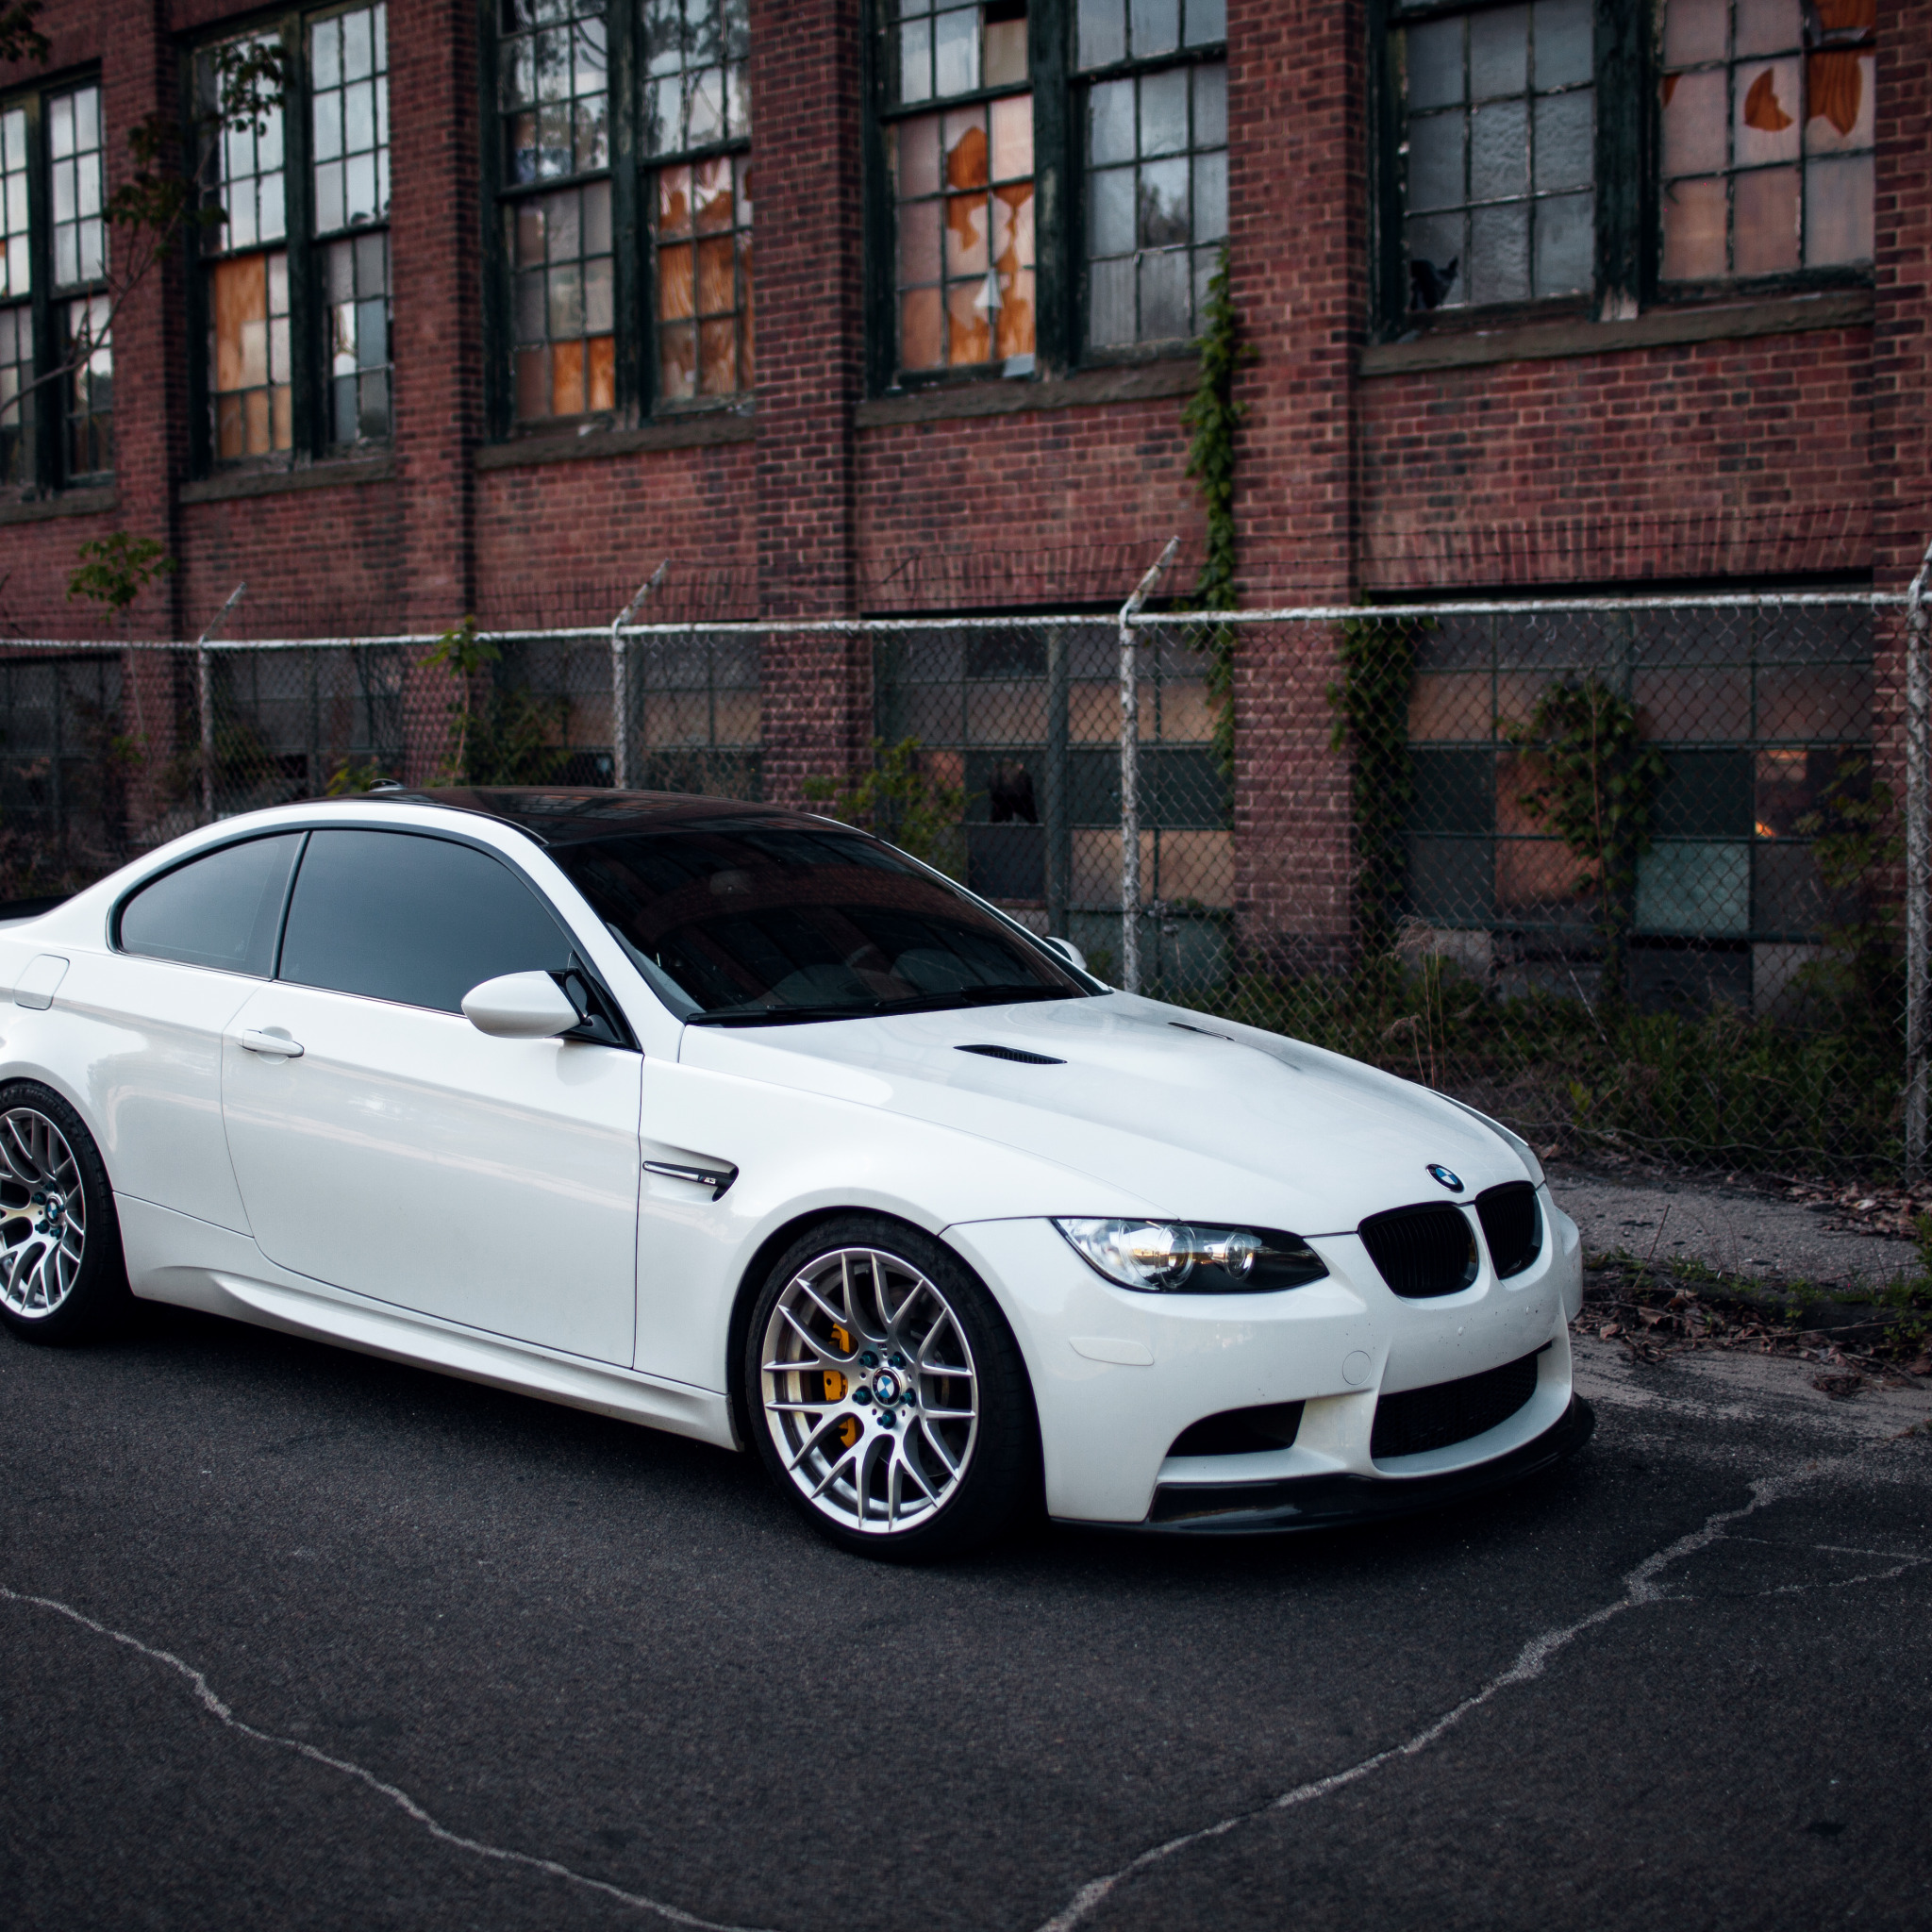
(1625, 874)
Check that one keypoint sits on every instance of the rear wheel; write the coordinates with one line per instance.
(61, 1274)
(889, 1396)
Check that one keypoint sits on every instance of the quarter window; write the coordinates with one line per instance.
(223, 910)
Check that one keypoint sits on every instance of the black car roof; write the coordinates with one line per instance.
(574, 814)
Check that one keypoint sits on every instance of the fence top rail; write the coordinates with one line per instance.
(886, 626)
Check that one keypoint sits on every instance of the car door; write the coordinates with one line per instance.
(385, 1146)
(189, 948)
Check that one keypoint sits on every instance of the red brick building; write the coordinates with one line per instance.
(884, 307)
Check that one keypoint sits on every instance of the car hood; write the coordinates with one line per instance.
(1196, 1118)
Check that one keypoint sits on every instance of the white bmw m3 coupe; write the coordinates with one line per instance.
(742, 1123)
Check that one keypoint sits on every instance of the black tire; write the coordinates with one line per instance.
(893, 1424)
(63, 1278)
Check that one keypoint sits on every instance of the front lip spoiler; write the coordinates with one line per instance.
(1328, 1502)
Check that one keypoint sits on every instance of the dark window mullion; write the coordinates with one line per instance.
(498, 374)
(631, 283)
(50, 399)
(307, 386)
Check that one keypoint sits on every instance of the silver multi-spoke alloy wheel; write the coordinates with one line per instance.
(42, 1215)
(870, 1390)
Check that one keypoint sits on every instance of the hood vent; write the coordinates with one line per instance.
(1014, 1053)
(1422, 1251)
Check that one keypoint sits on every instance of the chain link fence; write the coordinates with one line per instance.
(1626, 873)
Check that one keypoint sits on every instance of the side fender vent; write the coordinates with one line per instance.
(1014, 1053)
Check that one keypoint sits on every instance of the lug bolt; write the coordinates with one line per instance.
(868, 1360)
(862, 1394)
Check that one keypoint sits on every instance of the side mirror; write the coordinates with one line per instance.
(1069, 952)
(520, 1006)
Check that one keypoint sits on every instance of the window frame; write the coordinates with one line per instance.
(309, 381)
(50, 474)
(1629, 271)
(632, 173)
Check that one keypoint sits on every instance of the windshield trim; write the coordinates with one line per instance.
(966, 999)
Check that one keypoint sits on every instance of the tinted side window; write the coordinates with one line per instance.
(221, 911)
(414, 919)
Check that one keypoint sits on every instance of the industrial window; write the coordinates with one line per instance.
(1767, 113)
(626, 288)
(1553, 150)
(958, 143)
(1154, 145)
(297, 277)
(697, 130)
(56, 366)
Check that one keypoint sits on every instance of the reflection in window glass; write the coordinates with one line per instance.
(696, 59)
(349, 81)
(1767, 127)
(76, 184)
(553, 84)
(16, 277)
(16, 319)
(1500, 128)
(90, 388)
(355, 292)
(562, 302)
(419, 920)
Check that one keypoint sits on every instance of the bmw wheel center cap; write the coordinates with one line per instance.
(1447, 1176)
(885, 1385)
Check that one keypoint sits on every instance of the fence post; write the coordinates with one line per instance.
(1053, 805)
(204, 702)
(620, 681)
(1918, 806)
(1130, 773)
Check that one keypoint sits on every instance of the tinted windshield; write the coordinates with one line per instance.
(736, 921)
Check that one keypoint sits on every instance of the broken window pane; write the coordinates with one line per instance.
(695, 87)
(16, 399)
(356, 279)
(963, 189)
(75, 183)
(248, 356)
(1499, 139)
(1156, 194)
(561, 310)
(1748, 94)
(553, 88)
(702, 230)
(90, 389)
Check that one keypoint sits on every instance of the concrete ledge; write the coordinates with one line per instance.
(694, 431)
(1129, 383)
(243, 483)
(73, 503)
(1659, 328)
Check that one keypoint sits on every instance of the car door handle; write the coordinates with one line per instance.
(250, 1041)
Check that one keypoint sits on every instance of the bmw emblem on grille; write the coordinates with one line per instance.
(1447, 1176)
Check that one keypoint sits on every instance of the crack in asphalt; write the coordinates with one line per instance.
(1640, 1587)
(394, 1794)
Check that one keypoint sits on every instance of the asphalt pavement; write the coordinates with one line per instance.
(292, 1636)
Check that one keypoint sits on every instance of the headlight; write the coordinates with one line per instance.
(1170, 1257)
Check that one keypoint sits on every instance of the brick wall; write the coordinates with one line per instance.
(1776, 456)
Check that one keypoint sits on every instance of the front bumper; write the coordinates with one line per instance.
(1117, 1376)
(1329, 1501)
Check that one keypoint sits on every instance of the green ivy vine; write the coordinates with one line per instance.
(1594, 784)
(1214, 414)
(1370, 700)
